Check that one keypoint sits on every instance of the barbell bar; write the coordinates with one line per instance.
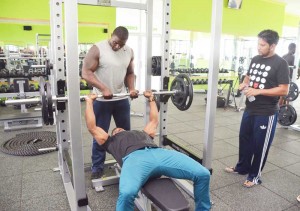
(181, 93)
(65, 98)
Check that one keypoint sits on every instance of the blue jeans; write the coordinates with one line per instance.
(255, 139)
(143, 164)
(120, 110)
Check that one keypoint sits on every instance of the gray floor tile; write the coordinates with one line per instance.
(281, 157)
(11, 189)
(224, 133)
(283, 183)
(11, 165)
(42, 162)
(49, 203)
(10, 205)
(292, 147)
(42, 183)
(295, 169)
(256, 199)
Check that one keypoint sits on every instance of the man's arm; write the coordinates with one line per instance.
(90, 65)
(245, 82)
(281, 90)
(98, 133)
(151, 127)
(130, 78)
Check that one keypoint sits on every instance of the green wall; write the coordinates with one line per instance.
(291, 20)
(254, 16)
(36, 13)
(191, 15)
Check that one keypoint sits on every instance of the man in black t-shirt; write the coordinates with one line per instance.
(141, 159)
(290, 58)
(267, 79)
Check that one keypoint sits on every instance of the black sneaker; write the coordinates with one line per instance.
(96, 175)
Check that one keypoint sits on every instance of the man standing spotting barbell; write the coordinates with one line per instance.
(106, 67)
(267, 79)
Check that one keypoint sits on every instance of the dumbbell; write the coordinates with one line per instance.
(3, 88)
(82, 86)
(11, 88)
(31, 87)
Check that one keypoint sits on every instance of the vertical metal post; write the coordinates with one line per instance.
(216, 30)
(59, 74)
(74, 107)
(164, 65)
(149, 20)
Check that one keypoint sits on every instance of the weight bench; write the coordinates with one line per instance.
(164, 194)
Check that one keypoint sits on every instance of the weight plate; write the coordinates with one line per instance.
(293, 92)
(287, 115)
(49, 104)
(183, 98)
(43, 101)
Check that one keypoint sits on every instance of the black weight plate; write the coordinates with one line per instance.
(43, 101)
(180, 96)
(287, 115)
(184, 97)
(293, 92)
(49, 104)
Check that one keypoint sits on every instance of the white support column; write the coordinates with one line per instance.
(149, 19)
(216, 30)
(59, 74)
(165, 64)
(74, 106)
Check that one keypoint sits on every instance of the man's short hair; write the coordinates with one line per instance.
(292, 46)
(270, 36)
(121, 32)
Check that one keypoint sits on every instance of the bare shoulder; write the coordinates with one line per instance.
(93, 53)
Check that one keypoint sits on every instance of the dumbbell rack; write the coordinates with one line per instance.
(24, 119)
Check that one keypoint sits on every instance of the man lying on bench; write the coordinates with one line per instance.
(141, 159)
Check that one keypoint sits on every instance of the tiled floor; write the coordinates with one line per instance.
(28, 183)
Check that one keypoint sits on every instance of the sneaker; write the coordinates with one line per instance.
(96, 175)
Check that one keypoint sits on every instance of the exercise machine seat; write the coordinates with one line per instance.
(165, 195)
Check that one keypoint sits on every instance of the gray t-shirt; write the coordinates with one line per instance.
(266, 73)
(125, 142)
(112, 68)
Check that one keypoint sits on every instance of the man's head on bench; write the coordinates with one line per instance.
(116, 130)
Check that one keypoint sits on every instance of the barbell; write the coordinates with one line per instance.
(181, 93)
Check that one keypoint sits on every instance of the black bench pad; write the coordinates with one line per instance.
(165, 195)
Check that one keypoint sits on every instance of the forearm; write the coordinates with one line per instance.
(153, 115)
(276, 91)
(130, 81)
(90, 117)
(246, 80)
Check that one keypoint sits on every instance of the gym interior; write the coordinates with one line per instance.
(45, 146)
